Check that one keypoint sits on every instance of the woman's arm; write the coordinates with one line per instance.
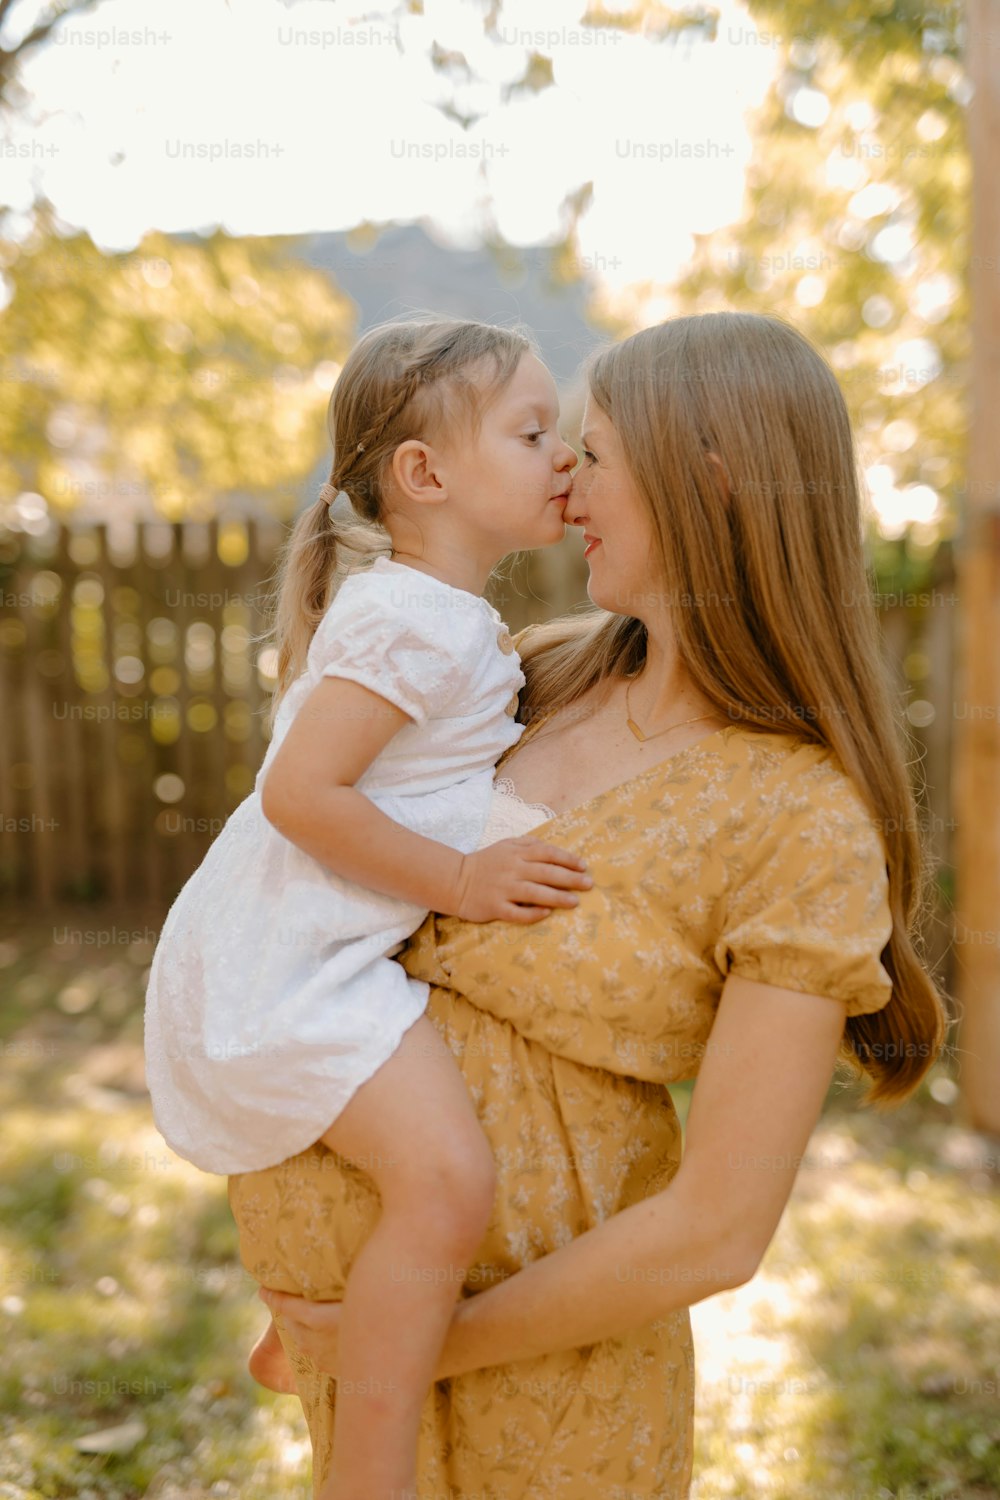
(762, 1083)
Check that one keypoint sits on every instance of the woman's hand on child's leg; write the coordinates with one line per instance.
(314, 1327)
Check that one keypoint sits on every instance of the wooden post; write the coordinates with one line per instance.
(977, 707)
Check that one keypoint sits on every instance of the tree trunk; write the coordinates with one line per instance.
(977, 708)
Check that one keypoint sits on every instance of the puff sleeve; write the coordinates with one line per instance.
(808, 905)
(406, 648)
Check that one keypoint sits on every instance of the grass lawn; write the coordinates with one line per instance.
(862, 1363)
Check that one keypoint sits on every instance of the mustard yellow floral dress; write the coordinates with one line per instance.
(747, 853)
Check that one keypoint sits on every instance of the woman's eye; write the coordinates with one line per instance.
(589, 456)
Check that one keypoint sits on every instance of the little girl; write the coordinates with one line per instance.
(275, 1015)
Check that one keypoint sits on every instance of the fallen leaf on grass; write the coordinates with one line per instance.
(118, 1439)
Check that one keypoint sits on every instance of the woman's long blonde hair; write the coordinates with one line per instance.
(776, 624)
(406, 379)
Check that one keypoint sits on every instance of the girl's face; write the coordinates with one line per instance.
(512, 479)
(620, 545)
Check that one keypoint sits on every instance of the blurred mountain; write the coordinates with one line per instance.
(402, 269)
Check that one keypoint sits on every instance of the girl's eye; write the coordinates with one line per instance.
(532, 436)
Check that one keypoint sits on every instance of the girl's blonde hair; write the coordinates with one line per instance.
(410, 379)
(775, 621)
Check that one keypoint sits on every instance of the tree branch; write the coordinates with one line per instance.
(10, 57)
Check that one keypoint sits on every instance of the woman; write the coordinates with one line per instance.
(717, 741)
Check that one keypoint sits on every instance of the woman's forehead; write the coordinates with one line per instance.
(594, 420)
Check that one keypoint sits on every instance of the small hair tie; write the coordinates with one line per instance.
(330, 496)
(361, 448)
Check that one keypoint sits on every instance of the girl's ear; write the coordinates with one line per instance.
(418, 473)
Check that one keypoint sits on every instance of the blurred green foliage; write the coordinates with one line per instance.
(856, 229)
(189, 368)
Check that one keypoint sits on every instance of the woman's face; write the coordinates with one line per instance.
(618, 533)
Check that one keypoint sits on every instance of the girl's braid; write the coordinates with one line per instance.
(403, 395)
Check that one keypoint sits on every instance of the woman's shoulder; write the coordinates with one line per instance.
(787, 753)
(783, 776)
(804, 885)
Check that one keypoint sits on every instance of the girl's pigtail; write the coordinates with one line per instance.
(323, 546)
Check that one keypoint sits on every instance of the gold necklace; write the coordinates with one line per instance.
(642, 738)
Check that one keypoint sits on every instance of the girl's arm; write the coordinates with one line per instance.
(761, 1086)
(310, 798)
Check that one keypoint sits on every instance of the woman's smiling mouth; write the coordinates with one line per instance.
(592, 542)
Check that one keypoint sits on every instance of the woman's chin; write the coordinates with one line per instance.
(600, 594)
(633, 597)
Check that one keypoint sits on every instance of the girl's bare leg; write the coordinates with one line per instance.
(413, 1128)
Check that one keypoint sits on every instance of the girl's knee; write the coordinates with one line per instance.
(474, 1184)
(452, 1191)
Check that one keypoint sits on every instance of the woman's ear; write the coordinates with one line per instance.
(417, 473)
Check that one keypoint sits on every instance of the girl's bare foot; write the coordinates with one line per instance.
(268, 1363)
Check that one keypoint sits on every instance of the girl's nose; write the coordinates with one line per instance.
(575, 513)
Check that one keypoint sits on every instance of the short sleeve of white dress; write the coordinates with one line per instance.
(403, 644)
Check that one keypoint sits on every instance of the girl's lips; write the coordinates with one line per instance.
(592, 542)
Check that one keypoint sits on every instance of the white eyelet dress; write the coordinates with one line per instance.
(273, 995)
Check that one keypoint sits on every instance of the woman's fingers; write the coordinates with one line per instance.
(277, 1301)
(314, 1327)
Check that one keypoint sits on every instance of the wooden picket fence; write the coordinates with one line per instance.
(134, 699)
